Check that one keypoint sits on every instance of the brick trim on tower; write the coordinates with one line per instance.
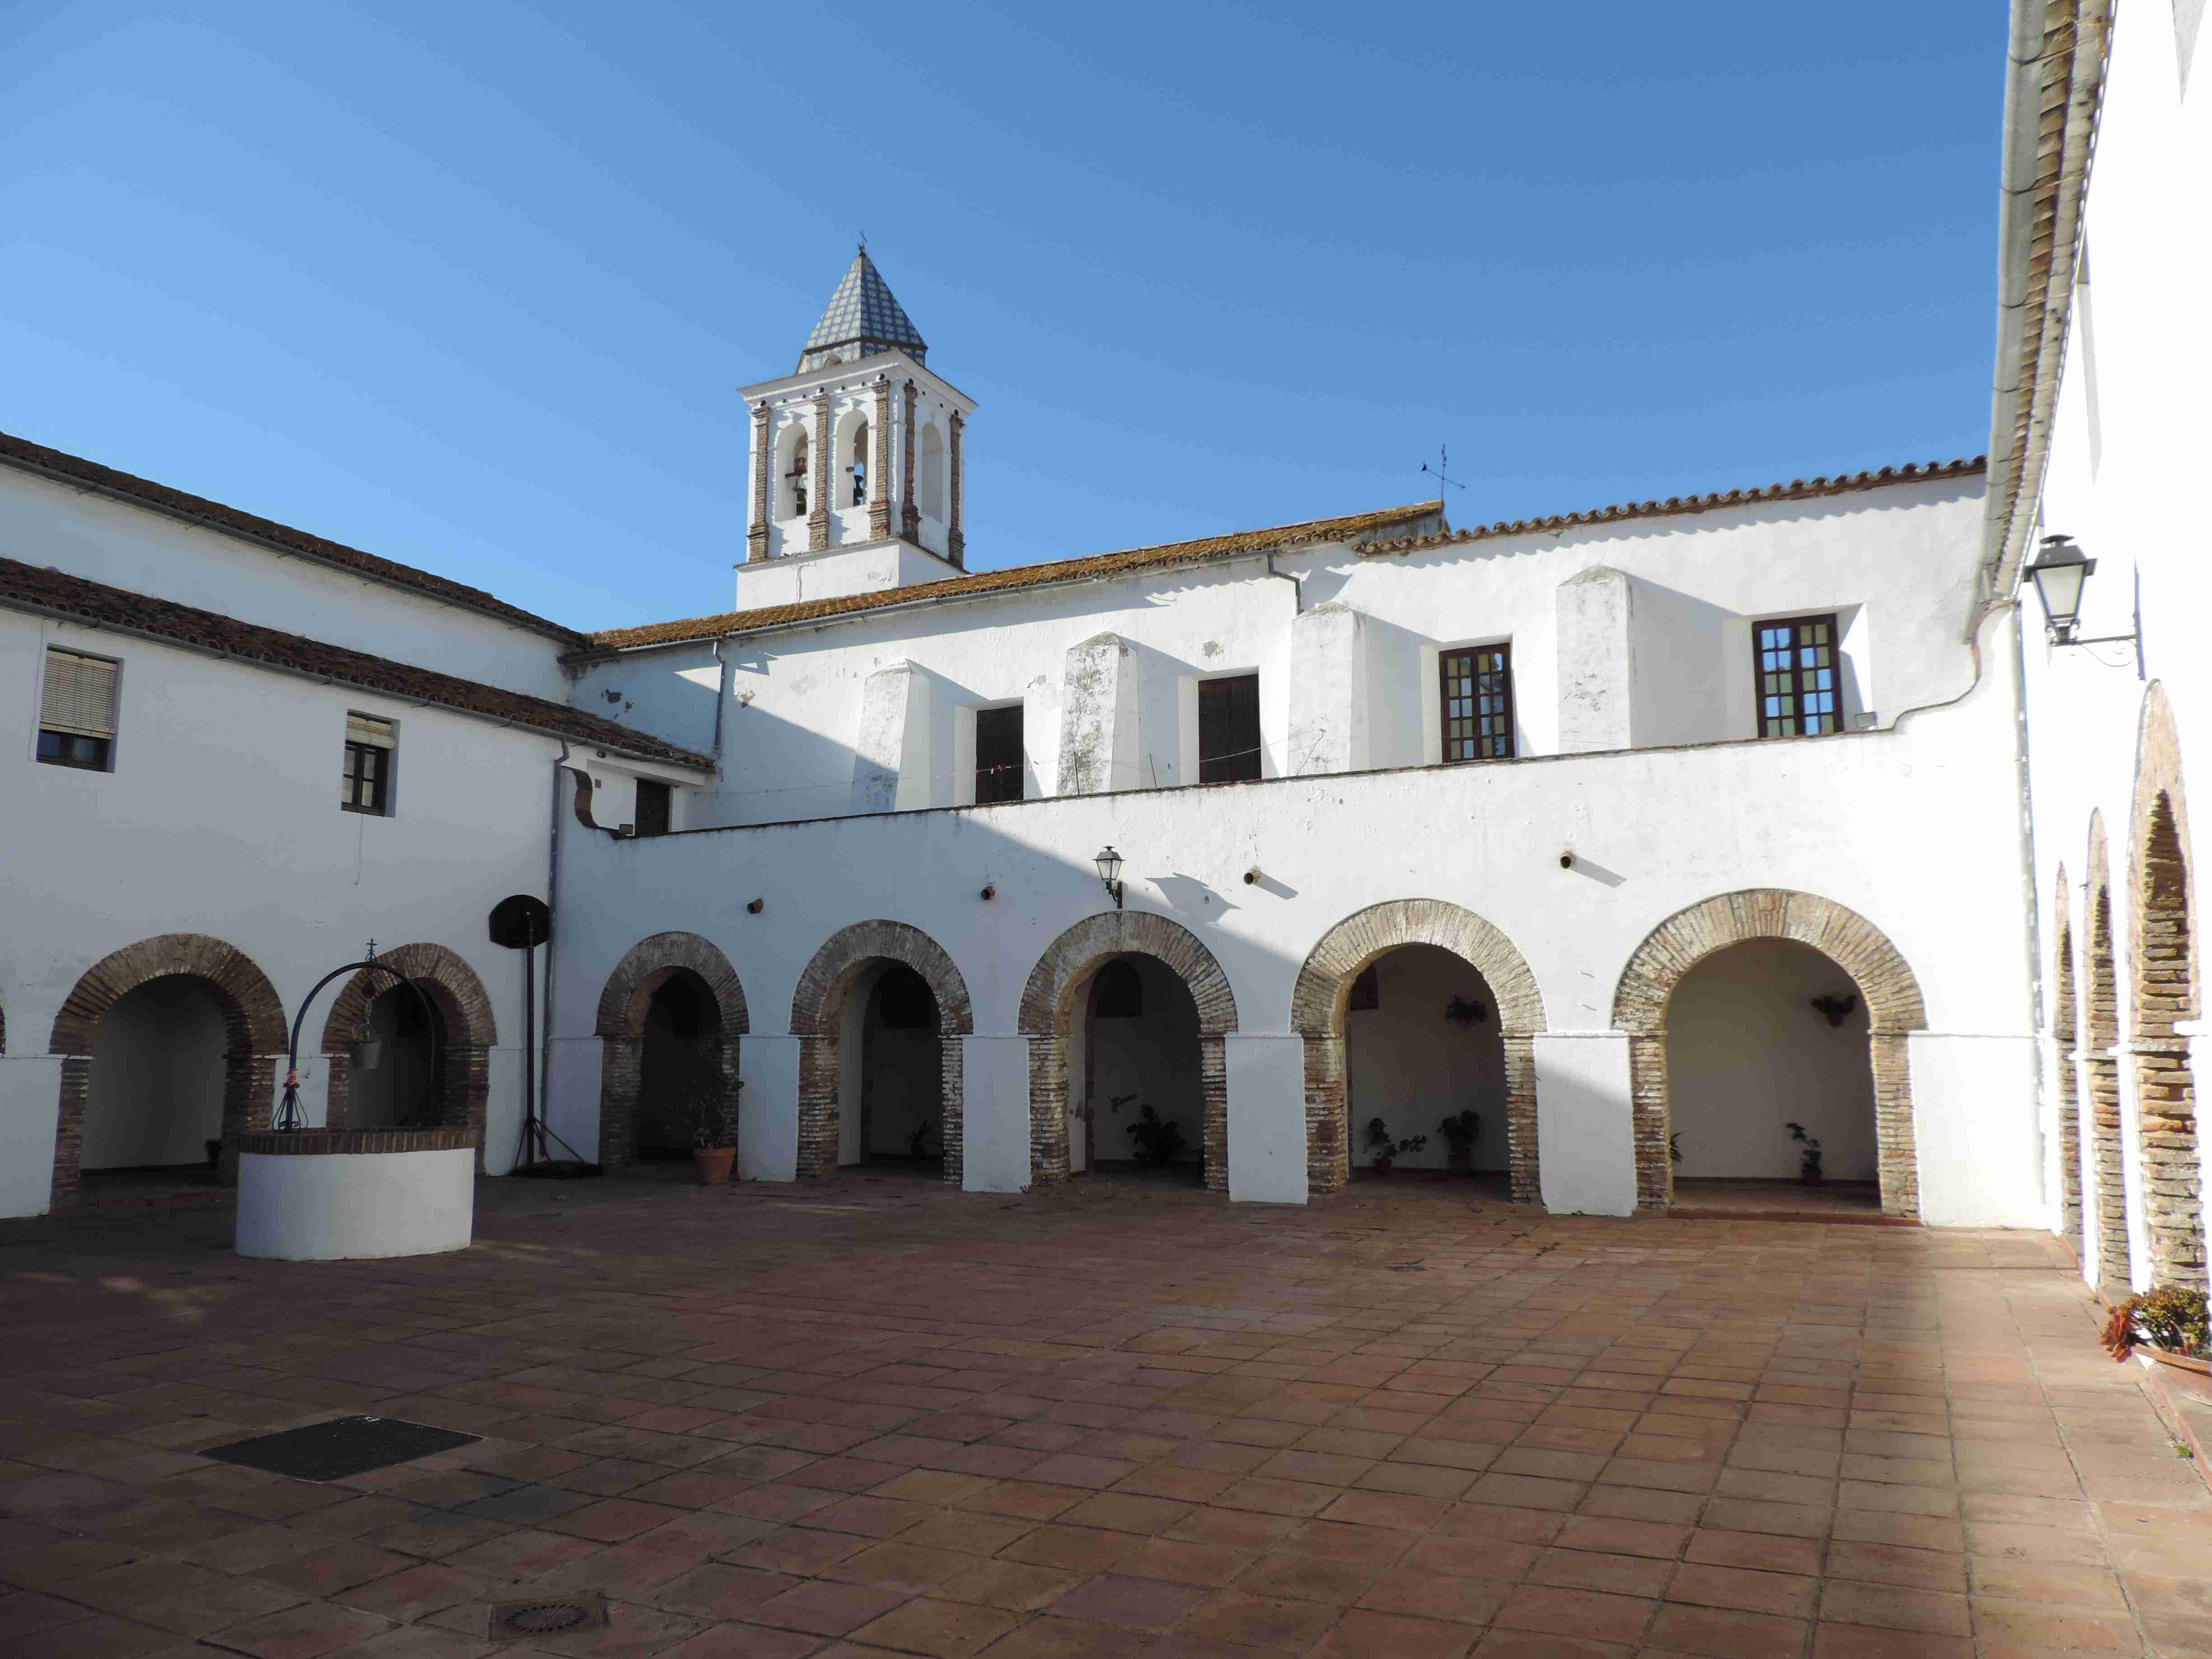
(470, 1033)
(910, 509)
(817, 1007)
(2162, 986)
(1317, 1011)
(817, 516)
(645, 968)
(1048, 1015)
(1891, 993)
(880, 465)
(763, 485)
(255, 1035)
(956, 540)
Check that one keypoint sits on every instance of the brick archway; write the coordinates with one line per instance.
(648, 965)
(2100, 1073)
(1884, 982)
(817, 1008)
(1317, 1010)
(2065, 1022)
(470, 1032)
(253, 1026)
(1048, 1013)
(2162, 957)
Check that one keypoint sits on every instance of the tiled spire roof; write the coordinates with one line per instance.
(863, 313)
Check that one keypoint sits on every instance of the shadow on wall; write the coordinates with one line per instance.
(1748, 1053)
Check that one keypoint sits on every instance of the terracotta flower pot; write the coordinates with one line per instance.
(2184, 1373)
(713, 1164)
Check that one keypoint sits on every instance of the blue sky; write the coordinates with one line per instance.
(472, 286)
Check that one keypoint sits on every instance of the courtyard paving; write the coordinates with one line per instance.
(869, 1416)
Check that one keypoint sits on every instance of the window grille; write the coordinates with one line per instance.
(76, 710)
(1794, 659)
(1476, 689)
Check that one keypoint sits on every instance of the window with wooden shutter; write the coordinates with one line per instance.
(1794, 659)
(1475, 688)
(76, 711)
(998, 753)
(1229, 729)
(365, 786)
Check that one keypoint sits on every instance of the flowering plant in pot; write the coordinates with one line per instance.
(1385, 1149)
(713, 1136)
(1461, 1131)
(1808, 1161)
(2170, 1326)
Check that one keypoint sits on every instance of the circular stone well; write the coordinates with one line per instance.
(345, 1194)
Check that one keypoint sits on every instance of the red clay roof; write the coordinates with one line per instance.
(1796, 490)
(24, 587)
(1345, 528)
(22, 453)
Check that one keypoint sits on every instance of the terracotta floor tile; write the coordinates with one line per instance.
(824, 1609)
(1255, 1622)
(1153, 1604)
(2030, 1627)
(1364, 1635)
(307, 1632)
(1072, 1549)
(1529, 1644)
(1308, 1579)
(1069, 1638)
(1894, 1607)
(1726, 1635)
(1618, 1537)
(1789, 1596)
(1014, 1585)
(1576, 1612)
(1866, 1642)
(1595, 1569)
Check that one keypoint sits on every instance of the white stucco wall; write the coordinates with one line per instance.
(1655, 831)
(2127, 452)
(347, 1206)
(220, 817)
(48, 524)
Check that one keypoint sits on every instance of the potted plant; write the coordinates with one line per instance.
(1808, 1161)
(1460, 1131)
(1159, 1140)
(1385, 1149)
(2168, 1326)
(714, 1138)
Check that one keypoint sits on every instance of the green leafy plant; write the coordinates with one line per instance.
(711, 1125)
(1808, 1161)
(1461, 1131)
(2168, 1317)
(917, 1143)
(1675, 1147)
(1159, 1140)
(1385, 1149)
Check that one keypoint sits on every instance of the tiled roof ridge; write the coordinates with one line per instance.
(1796, 490)
(58, 464)
(96, 604)
(1165, 555)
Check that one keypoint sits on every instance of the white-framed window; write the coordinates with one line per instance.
(372, 748)
(76, 710)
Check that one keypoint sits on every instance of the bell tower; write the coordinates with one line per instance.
(857, 458)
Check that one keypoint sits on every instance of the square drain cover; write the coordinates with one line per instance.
(342, 1447)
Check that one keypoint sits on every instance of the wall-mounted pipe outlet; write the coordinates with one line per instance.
(1252, 877)
(1566, 858)
(756, 907)
(990, 891)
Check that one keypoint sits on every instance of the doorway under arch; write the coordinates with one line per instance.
(891, 1077)
(669, 1019)
(1058, 988)
(1136, 1092)
(1879, 979)
(2065, 1015)
(397, 1074)
(2101, 1076)
(830, 1021)
(197, 986)
(463, 1012)
(1321, 1012)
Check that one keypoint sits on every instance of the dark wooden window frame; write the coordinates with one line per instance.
(652, 820)
(999, 778)
(1225, 721)
(1790, 724)
(368, 780)
(1490, 733)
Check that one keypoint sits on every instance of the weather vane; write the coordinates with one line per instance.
(1441, 476)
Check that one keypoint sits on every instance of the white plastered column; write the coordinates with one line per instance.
(1267, 1077)
(890, 752)
(1597, 661)
(1585, 1125)
(767, 1111)
(996, 1128)
(1329, 690)
(1100, 739)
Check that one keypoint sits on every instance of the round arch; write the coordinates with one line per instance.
(1047, 1011)
(1317, 1010)
(2100, 1070)
(470, 1033)
(2162, 986)
(1892, 995)
(817, 1006)
(645, 968)
(2066, 1039)
(253, 1026)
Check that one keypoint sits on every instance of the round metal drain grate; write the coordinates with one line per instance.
(543, 1617)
